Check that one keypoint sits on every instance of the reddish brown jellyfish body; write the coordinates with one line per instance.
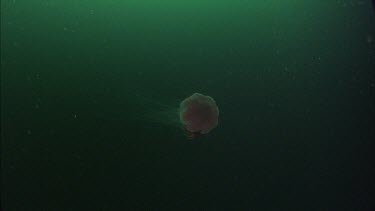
(199, 114)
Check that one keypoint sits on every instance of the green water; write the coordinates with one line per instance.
(89, 90)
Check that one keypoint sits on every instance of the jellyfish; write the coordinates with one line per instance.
(197, 114)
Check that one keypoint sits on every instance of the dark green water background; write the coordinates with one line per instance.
(81, 79)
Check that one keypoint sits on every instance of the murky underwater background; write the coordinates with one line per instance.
(89, 89)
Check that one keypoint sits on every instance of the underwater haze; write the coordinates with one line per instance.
(90, 95)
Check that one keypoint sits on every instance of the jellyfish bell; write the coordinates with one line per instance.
(199, 114)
